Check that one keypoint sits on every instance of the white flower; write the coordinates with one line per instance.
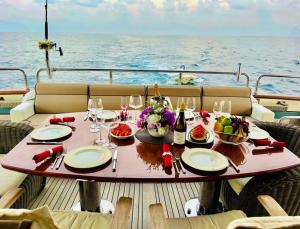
(154, 118)
(161, 131)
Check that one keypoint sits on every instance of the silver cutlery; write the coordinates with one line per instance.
(56, 159)
(86, 116)
(115, 160)
(175, 164)
(182, 168)
(44, 143)
(60, 161)
(233, 165)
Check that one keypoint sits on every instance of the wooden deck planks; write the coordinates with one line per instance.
(62, 194)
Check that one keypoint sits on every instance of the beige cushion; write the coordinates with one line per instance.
(9, 179)
(55, 98)
(111, 94)
(41, 217)
(239, 97)
(78, 220)
(238, 184)
(178, 91)
(206, 221)
(274, 222)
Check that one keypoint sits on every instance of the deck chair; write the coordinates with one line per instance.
(43, 218)
(234, 219)
(11, 134)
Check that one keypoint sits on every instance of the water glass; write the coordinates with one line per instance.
(135, 102)
(180, 100)
(92, 108)
(217, 109)
(190, 107)
(99, 118)
(111, 125)
(226, 108)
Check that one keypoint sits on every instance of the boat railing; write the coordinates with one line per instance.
(110, 72)
(17, 91)
(274, 96)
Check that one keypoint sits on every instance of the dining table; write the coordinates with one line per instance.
(142, 162)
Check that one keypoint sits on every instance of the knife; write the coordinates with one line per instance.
(44, 143)
(86, 116)
(233, 165)
(115, 161)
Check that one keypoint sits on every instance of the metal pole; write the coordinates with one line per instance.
(46, 38)
(238, 73)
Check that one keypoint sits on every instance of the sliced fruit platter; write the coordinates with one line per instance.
(122, 131)
(232, 130)
(200, 135)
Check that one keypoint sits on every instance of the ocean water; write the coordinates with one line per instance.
(258, 55)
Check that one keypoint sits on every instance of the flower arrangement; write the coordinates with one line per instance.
(45, 44)
(157, 119)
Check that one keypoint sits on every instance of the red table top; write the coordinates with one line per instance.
(141, 162)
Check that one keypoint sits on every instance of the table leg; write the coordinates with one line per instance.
(89, 192)
(207, 202)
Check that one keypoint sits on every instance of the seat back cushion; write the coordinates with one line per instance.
(53, 98)
(174, 92)
(41, 217)
(270, 222)
(239, 97)
(111, 94)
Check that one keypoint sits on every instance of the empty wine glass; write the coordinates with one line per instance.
(113, 123)
(226, 108)
(124, 104)
(135, 102)
(180, 100)
(190, 107)
(217, 109)
(92, 107)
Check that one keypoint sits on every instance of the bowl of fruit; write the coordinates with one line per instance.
(122, 131)
(232, 130)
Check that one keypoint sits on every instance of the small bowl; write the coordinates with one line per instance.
(231, 138)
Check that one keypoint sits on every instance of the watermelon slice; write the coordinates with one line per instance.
(199, 133)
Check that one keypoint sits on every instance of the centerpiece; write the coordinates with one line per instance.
(157, 119)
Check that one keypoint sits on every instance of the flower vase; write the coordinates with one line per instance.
(158, 132)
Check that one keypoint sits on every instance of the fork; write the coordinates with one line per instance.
(174, 161)
(56, 159)
(179, 160)
(60, 161)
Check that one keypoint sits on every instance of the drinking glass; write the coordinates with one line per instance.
(179, 101)
(113, 123)
(190, 107)
(99, 112)
(124, 104)
(217, 109)
(226, 108)
(135, 101)
(92, 107)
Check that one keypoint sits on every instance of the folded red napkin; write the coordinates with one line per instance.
(167, 157)
(50, 152)
(267, 142)
(64, 119)
(204, 114)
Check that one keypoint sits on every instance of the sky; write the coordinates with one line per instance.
(155, 17)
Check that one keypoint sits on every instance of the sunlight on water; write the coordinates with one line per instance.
(258, 55)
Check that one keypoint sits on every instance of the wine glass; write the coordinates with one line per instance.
(99, 112)
(226, 108)
(113, 123)
(180, 100)
(124, 104)
(135, 101)
(191, 106)
(217, 109)
(92, 107)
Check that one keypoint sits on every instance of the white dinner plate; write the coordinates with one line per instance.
(125, 137)
(107, 115)
(51, 132)
(87, 157)
(257, 133)
(205, 159)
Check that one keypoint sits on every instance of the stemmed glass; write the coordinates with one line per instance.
(92, 107)
(179, 101)
(135, 102)
(191, 106)
(226, 108)
(114, 122)
(124, 104)
(217, 109)
(99, 112)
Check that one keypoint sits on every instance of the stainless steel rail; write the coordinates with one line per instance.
(112, 70)
(272, 76)
(20, 70)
